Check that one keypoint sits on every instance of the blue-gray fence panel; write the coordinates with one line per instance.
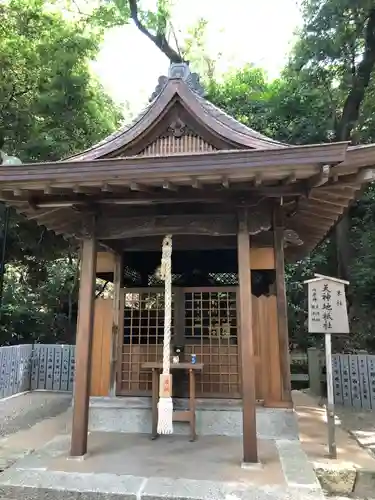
(72, 365)
(371, 376)
(14, 369)
(345, 379)
(355, 387)
(65, 363)
(364, 381)
(337, 385)
(51, 367)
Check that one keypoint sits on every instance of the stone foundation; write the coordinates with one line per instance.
(214, 418)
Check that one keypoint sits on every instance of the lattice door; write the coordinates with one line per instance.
(143, 338)
(211, 333)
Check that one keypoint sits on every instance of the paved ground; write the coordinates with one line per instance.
(353, 472)
(32, 420)
(22, 412)
(29, 421)
(125, 466)
(35, 462)
(359, 423)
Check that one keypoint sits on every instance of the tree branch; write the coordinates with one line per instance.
(100, 292)
(360, 83)
(159, 39)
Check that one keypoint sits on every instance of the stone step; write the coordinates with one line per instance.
(54, 485)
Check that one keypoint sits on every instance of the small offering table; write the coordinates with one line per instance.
(178, 416)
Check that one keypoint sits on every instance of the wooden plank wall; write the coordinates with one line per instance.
(266, 347)
(101, 348)
(262, 258)
(105, 262)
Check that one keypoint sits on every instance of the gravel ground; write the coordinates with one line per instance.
(24, 411)
(361, 424)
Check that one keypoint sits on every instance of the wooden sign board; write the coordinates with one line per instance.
(327, 306)
(328, 314)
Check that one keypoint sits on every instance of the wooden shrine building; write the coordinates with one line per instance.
(238, 205)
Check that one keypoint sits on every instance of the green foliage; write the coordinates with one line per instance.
(50, 104)
(308, 104)
(50, 107)
(40, 309)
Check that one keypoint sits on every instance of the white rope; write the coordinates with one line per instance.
(166, 276)
(165, 405)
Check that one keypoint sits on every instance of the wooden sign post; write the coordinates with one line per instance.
(328, 314)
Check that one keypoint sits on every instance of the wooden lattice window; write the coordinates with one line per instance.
(143, 337)
(209, 330)
(211, 333)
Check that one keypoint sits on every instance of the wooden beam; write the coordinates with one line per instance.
(18, 193)
(315, 214)
(257, 180)
(169, 186)
(338, 193)
(181, 242)
(311, 222)
(135, 186)
(290, 179)
(43, 215)
(136, 168)
(221, 224)
(186, 194)
(319, 207)
(196, 184)
(306, 231)
(282, 306)
(250, 449)
(225, 182)
(118, 313)
(106, 188)
(321, 199)
(321, 178)
(78, 446)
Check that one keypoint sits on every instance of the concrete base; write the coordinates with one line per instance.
(122, 466)
(214, 418)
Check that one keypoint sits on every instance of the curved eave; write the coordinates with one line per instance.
(244, 164)
(318, 214)
(212, 118)
(315, 214)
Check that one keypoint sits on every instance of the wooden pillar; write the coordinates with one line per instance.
(83, 347)
(118, 314)
(250, 451)
(282, 306)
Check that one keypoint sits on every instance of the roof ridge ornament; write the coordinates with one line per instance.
(179, 71)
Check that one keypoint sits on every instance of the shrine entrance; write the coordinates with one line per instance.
(204, 321)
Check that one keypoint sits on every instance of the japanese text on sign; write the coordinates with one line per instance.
(327, 307)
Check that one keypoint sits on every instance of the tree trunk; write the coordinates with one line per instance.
(344, 130)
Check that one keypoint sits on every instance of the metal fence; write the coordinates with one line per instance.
(51, 367)
(31, 367)
(15, 364)
(353, 377)
(354, 380)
